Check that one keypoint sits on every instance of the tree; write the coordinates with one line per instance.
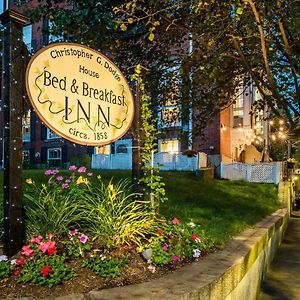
(199, 47)
(257, 38)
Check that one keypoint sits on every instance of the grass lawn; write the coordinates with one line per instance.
(223, 208)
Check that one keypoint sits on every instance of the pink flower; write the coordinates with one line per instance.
(175, 258)
(59, 178)
(36, 240)
(72, 168)
(83, 238)
(73, 232)
(68, 181)
(48, 172)
(48, 246)
(27, 251)
(45, 271)
(64, 185)
(166, 248)
(20, 261)
(82, 170)
(89, 174)
(175, 221)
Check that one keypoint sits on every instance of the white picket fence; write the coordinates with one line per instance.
(256, 172)
(163, 160)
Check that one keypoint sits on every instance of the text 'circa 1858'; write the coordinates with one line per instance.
(79, 94)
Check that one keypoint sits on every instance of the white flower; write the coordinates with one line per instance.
(151, 268)
(13, 261)
(102, 257)
(3, 258)
(191, 224)
(197, 240)
(196, 253)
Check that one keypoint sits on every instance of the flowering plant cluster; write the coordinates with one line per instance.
(67, 182)
(39, 262)
(175, 241)
(76, 243)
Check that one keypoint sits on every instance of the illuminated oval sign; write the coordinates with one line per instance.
(79, 94)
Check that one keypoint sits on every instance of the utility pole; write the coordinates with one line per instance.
(13, 68)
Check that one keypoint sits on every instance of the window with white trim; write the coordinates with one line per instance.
(54, 153)
(238, 108)
(51, 135)
(169, 145)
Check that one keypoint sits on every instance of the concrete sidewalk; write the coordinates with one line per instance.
(283, 278)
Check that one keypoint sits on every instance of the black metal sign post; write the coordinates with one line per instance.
(12, 90)
(136, 144)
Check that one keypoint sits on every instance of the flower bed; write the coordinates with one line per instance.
(80, 230)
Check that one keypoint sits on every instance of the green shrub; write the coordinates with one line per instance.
(105, 266)
(5, 269)
(85, 160)
(114, 216)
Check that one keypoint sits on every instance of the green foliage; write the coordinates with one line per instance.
(151, 179)
(83, 160)
(105, 266)
(5, 269)
(31, 271)
(297, 158)
(114, 217)
(74, 247)
(176, 241)
(52, 207)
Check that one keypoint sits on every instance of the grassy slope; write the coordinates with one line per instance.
(223, 208)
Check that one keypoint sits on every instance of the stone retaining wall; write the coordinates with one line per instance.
(233, 273)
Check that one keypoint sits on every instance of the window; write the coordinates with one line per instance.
(102, 150)
(26, 155)
(3, 5)
(53, 38)
(238, 108)
(54, 154)
(51, 135)
(27, 37)
(169, 145)
(122, 148)
(26, 127)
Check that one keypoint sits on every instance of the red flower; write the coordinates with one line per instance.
(175, 221)
(20, 261)
(45, 271)
(16, 272)
(27, 251)
(194, 236)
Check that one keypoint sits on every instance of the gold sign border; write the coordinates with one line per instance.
(44, 121)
